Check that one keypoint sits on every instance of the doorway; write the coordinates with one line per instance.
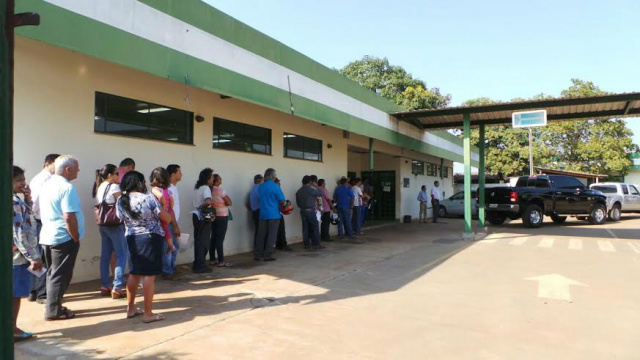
(384, 194)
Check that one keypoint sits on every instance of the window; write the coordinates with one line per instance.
(445, 172)
(432, 170)
(127, 117)
(300, 147)
(566, 182)
(625, 190)
(542, 183)
(232, 135)
(417, 167)
(633, 190)
(458, 196)
(606, 189)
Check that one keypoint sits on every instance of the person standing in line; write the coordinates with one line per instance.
(169, 261)
(126, 165)
(271, 197)
(367, 193)
(435, 200)
(344, 198)
(281, 242)
(202, 220)
(221, 202)
(107, 190)
(25, 249)
(306, 200)
(143, 217)
(423, 199)
(39, 291)
(327, 207)
(254, 204)
(314, 183)
(159, 180)
(357, 205)
(62, 229)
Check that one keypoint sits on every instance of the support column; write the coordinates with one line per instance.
(481, 181)
(371, 155)
(468, 233)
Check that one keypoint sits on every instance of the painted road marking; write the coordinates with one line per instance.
(546, 242)
(575, 244)
(518, 241)
(635, 248)
(611, 233)
(606, 246)
(554, 286)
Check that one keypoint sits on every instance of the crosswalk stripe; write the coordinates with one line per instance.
(634, 247)
(518, 241)
(606, 246)
(575, 244)
(546, 242)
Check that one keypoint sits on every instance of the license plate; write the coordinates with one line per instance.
(493, 206)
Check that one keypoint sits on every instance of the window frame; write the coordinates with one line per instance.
(218, 125)
(417, 165)
(287, 135)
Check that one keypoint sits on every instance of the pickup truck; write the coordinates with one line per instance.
(533, 197)
(620, 198)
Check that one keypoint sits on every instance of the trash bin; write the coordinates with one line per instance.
(406, 219)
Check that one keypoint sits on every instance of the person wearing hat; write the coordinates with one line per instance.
(306, 200)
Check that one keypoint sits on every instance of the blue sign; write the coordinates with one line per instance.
(527, 119)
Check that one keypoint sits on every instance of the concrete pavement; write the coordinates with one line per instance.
(410, 291)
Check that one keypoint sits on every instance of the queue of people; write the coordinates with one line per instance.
(138, 226)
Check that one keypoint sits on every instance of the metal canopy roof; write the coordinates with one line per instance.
(615, 105)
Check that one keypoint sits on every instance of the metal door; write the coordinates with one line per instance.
(384, 193)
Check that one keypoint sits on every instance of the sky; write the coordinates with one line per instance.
(467, 48)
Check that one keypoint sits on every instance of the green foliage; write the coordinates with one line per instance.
(394, 83)
(599, 146)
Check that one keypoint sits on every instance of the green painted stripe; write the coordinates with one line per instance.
(219, 24)
(87, 36)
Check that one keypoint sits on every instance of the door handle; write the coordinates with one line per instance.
(558, 192)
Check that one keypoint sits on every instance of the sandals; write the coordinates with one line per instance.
(138, 312)
(224, 264)
(105, 291)
(118, 294)
(156, 317)
(65, 314)
(22, 337)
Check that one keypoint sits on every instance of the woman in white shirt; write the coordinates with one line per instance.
(107, 190)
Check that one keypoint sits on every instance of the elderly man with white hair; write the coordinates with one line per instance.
(62, 229)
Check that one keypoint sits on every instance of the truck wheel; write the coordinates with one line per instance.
(615, 213)
(532, 216)
(598, 215)
(496, 219)
(558, 219)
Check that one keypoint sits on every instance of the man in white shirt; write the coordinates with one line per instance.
(435, 200)
(357, 206)
(169, 261)
(39, 291)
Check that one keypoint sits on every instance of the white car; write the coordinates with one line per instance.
(454, 205)
(620, 198)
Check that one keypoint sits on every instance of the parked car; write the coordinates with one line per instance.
(620, 198)
(454, 205)
(552, 195)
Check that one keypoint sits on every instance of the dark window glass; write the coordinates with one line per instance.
(445, 172)
(232, 135)
(432, 170)
(542, 183)
(458, 196)
(565, 182)
(607, 189)
(417, 167)
(301, 147)
(625, 190)
(633, 190)
(522, 181)
(128, 117)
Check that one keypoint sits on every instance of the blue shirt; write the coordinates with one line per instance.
(254, 198)
(270, 198)
(423, 197)
(343, 196)
(57, 197)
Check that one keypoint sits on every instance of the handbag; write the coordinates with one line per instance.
(230, 215)
(106, 213)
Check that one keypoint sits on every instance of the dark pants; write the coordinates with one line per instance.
(202, 238)
(61, 260)
(266, 239)
(345, 221)
(281, 242)
(255, 214)
(218, 232)
(326, 224)
(435, 207)
(310, 228)
(39, 285)
(357, 225)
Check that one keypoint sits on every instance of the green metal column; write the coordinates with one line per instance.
(467, 173)
(370, 155)
(6, 192)
(481, 180)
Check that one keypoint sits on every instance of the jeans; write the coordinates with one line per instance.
(169, 260)
(113, 241)
(61, 260)
(357, 225)
(39, 285)
(266, 239)
(345, 221)
(364, 209)
(324, 227)
(310, 228)
(218, 232)
(202, 238)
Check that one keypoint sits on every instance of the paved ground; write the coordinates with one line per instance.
(411, 291)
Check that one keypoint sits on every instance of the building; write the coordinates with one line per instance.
(633, 177)
(180, 82)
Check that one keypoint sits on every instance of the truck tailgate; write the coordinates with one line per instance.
(498, 195)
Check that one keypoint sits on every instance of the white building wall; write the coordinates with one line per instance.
(632, 178)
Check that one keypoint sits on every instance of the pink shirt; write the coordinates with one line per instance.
(325, 199)
(217, 201)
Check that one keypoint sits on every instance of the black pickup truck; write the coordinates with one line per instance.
(552, 195)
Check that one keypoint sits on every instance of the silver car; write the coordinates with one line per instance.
(620, 198)
(454, 205)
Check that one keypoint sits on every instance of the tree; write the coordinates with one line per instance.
(394, 83)
(598, 146)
